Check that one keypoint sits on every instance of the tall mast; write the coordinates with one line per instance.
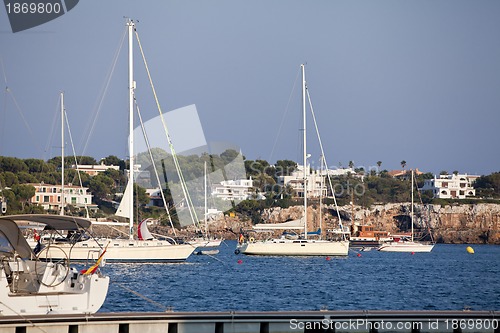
(206, 206)
(304, 143)
(412, 205)
(131, 87)
(62, 154)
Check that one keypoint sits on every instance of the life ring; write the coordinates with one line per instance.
(251, 239)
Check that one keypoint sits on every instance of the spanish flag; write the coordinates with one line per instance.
(94, 267)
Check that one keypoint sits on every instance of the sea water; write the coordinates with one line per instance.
(448, 278)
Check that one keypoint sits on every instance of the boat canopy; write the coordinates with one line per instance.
(52, 222)
(12, 240)
(294, 224)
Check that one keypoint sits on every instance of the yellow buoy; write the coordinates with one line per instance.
(470, 250)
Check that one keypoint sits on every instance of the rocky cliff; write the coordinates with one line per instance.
(479, 223)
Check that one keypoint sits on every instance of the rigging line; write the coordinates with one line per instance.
(4, 114)
(284, 115)
(104, 89)
(76, 161)
(3, 72)
(154, 164)
(52, 130)
(324, 159)
(165, 308)
(185, 191)
(37, 144)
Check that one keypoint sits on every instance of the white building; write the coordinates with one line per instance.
(240, 189)
(316, 184)
(451, 186)
(49, 196)
(94, 169)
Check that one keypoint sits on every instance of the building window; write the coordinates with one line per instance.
(46, 198)
(73, 200)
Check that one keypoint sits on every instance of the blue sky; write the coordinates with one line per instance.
(389, 80)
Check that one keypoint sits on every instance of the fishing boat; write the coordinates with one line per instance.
(407, 244)
(365, 236)
(37, 284)
(131, 249)
(294, 246)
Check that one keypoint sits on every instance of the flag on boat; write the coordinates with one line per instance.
(94, 267)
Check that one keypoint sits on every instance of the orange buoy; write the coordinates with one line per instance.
(359, 254)
(470, 250)
(328, 258)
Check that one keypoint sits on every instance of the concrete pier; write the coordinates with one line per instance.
(257, 322)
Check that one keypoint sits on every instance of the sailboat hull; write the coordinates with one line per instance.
(280, 247)
(406, 247)
(124, 250)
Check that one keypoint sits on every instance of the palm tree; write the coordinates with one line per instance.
(403, 164)
(351, 164)
(379, 163)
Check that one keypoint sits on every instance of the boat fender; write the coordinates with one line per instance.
(237, 251)
(251, 239)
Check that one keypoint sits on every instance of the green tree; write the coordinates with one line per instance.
(229, 155)
(140, 195)
(13, 205)
(25, 177)
(112, 160)
(101, 186)
(37, 166)
(9, 178)
(488, 186)
(23, 193)
(285, 167)
(403, 164)
(12, 164)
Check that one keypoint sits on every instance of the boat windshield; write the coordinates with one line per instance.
(5, 245)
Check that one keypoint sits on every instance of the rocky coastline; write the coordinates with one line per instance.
(451, 224)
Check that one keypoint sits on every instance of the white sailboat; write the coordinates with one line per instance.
(130, 249)
(206, 243)
(398, 245)
(38, 284)
(300, 246)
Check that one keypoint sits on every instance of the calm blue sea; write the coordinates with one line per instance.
(448, 278)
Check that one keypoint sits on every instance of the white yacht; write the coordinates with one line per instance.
(36, 284)
(302, 246)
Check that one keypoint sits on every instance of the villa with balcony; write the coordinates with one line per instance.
(49, 196)
(455, 186)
